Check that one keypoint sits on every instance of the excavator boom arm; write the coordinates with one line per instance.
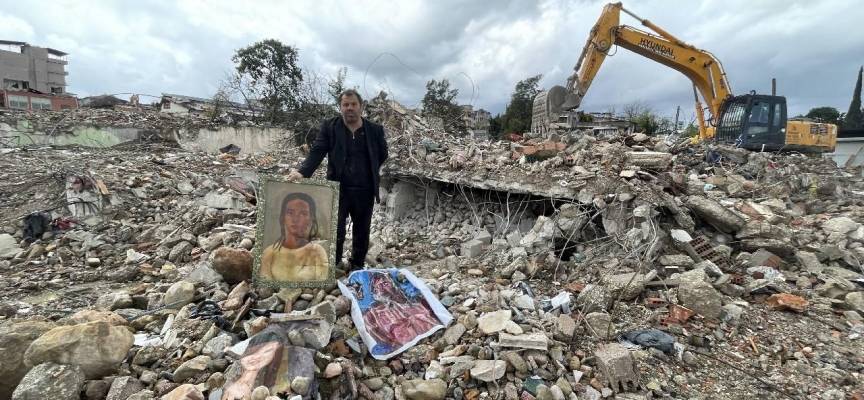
(701, 67)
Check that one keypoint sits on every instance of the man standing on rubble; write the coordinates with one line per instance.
(355, 148)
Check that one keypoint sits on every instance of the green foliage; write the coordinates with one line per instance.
(440, 101)
(517, 116)
(828, 115)
(584, 117)
(495, 126)
(337, 85)
(268, 70)
(855, 116)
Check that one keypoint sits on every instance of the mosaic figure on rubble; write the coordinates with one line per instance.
(294, 256)
(355, 148)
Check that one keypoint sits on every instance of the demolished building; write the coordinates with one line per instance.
(575, 266)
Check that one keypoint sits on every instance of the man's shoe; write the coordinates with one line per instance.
(357, 267)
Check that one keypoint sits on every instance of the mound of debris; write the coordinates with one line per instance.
(574, 266)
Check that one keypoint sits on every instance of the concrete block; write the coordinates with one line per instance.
(472, 248)
(484, 236)
(514, 238)
(400, 200)
(618, 366)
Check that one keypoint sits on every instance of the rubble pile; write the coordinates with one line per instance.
(575, 266)
(57, 122)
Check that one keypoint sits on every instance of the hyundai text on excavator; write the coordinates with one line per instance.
(752, 121)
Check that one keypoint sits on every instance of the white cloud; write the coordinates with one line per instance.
(812, 48)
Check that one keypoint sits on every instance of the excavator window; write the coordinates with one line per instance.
(777, 116)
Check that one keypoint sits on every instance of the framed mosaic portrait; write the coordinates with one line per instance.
(295, 240)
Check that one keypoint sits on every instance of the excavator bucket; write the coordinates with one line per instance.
(549, 104)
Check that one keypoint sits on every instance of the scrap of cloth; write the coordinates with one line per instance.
(392, 310)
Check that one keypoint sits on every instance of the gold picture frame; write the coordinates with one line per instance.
(297, 221)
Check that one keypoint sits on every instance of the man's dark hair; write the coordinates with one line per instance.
(350, 92)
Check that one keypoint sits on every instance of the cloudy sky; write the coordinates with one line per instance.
(813, 48)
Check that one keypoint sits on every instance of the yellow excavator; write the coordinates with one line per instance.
(752, 121)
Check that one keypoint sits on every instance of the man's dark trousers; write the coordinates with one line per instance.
(358, 203)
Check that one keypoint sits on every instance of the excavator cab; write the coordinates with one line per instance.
(752, 121)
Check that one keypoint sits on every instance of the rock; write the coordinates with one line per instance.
(493, 322)
(235, 265)
(203, 274)
(565, 328)
(97, 347)
(628, 286)
(51, 381)
(191, 368)
(123, 387)
(14, 341)
(593, 298)
(114, 301)
(855, 302)
(182, 292)
(488, 370)
(418, 389)
(333, 369)
(841, 225)
(618, 366)
(786, 301)
(715, 214)
(184, 392)
(700, 297)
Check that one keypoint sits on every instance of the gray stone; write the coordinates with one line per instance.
(593, 298)
(536, 340)
(842, 225)
(618, 366)
(51, 381)
(215, 348)
(488, 370)
(565, 328)
(123, 387)
(472, 248)
(700, 297)
(493, 322)
(628, 286)
(715, 214)
(204, 274)
(454, 333)
(855, 301)
(599, 325)
(191, 368)
(182, 291)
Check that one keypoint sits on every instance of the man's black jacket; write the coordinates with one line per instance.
(331, 142)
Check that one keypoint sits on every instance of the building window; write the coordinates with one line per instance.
(56, 90)
(38, 103)
(18, 102)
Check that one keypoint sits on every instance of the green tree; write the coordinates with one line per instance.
(517, 115)
(855, 116)
(440, 101)
(268, 72)
(828, 115)
(495, 126)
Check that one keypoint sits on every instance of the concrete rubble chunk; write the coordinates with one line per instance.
(536, 340)
(619, 367)
(488, 370)
(715, 214)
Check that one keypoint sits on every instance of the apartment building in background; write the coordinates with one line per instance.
(33, 78)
